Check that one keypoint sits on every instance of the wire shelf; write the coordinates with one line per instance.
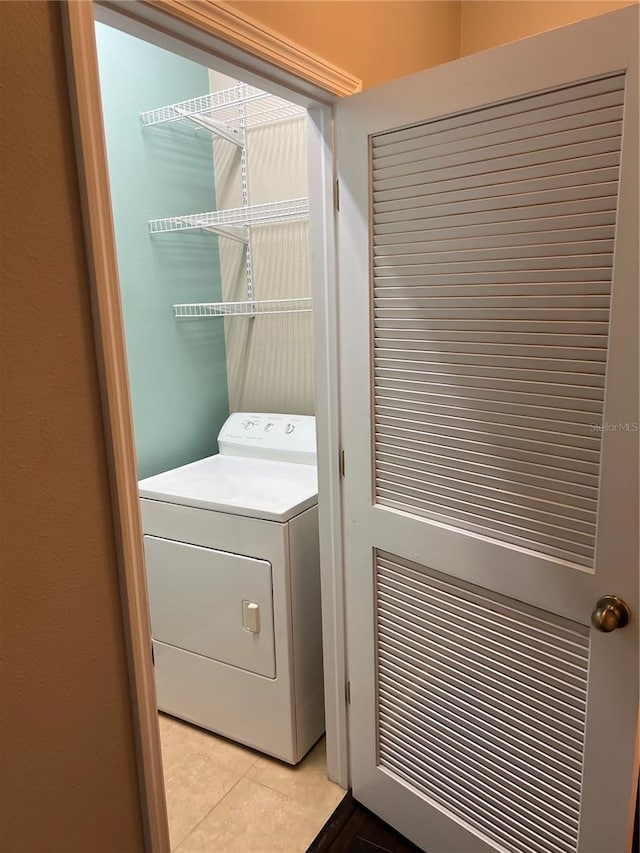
(221, 221)
(240, 106)
(196, 310)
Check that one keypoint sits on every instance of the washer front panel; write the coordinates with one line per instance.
(196, 597)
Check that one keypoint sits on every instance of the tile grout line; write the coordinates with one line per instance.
(291, 798)
(273, 790)
(235, 784)
(288, 797)
(239, 778)
(204, 817)
(252, 765)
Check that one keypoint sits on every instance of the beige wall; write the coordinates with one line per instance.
(68, 775)
(270, 358)
(488, 24)
(376, 41)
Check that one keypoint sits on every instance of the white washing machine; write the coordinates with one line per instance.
(232, 559)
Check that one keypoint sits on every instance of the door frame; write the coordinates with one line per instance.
(209, 34)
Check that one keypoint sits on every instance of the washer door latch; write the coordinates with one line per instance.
(251, 617)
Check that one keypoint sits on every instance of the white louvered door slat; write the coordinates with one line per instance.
(402, 296)
(488, 277)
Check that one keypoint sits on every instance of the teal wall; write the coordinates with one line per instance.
(177, 368)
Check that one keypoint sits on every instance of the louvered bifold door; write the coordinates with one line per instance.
(492, 253)
(488, 283)
(493, 238)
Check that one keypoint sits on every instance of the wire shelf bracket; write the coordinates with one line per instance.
(217, 127)
(231, 232)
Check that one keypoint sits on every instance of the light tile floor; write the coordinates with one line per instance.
(223, 797)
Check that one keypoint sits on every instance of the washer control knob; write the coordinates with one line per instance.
(289, 428)
(248, 424)
(269, 426)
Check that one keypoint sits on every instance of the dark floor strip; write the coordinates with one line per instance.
(354, 829)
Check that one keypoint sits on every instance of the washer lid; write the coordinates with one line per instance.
(258, 488)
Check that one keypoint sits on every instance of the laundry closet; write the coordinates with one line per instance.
(207, 223)
(209, 181)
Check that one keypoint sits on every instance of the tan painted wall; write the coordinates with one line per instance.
(68, 777)
(376, 41)
(488, 24)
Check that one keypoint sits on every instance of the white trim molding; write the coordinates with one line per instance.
(327, 386)
(82, 67)
(218, 19)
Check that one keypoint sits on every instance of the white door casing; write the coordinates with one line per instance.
(489, 406)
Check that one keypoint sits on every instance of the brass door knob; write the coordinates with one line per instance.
(611, 612)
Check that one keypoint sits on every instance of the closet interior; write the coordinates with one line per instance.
(209, 184)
